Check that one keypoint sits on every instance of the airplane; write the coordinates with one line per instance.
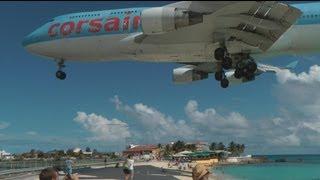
(227, 38)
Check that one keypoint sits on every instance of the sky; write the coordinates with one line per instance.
(275, 114)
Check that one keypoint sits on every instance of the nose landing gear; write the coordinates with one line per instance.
(61, 74)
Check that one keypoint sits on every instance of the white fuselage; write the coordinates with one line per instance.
(117, 47)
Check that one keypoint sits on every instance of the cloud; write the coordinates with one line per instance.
(290, 140)
(313, 76)
(31, 133)
(299, 100)
(211, 121)
(277, 134)
(210, 116)
(206, 124)
(4, 125)
(155, 125)
(102, 128)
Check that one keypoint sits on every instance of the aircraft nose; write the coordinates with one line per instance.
(33, 37)
(27, 40)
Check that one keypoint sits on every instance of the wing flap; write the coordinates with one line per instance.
(267, 20)
(262, 22)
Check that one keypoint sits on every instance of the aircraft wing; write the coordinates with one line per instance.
(256, 23)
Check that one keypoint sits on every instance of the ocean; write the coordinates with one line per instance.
(296, 167)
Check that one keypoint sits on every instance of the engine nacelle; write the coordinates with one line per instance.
(187, 75)
(160, 20)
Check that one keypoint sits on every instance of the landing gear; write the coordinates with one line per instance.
(224, 83)
(219, 75)
(246, 69)
(238, 73)
(221, 54)
(60, 74)
(227, 63)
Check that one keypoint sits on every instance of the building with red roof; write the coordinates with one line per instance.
(142, 150)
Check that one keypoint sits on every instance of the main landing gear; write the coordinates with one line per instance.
(61, 74)
(245, 67)
(221, 55)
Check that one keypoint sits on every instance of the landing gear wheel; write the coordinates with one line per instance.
(249, 76)
(219, 54)
(61, 75)
(252, 66)
(238, 73)
(227, 63)
(224, 83)
(219, 75)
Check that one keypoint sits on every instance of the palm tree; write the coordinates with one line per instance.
(221, 146)
(178, 146)
(213, 146)
(232, 148)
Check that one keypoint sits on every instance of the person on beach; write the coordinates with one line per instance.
(49, 174)
(128, 168)
(200, 172)
(72, 177)
(69, 164)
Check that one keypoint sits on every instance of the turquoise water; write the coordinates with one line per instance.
(297, 167)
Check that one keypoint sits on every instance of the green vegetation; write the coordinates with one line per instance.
(178, 146)
(234, 148)
(61, 154)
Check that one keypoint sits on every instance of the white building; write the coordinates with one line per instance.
(76, 150)
(239, 159)
(5, 155)
(87, 153)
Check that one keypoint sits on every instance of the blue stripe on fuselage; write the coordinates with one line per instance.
(310, 13)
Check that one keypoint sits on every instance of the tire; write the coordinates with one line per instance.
(250, 76)
(252, 66)
(219, 75)
(61, 75)
(224, 83)
(219, 54)
(238, 73)
(227, 63)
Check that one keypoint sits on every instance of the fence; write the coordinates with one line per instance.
(14, 167)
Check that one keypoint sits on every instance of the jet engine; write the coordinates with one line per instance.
(188, 74)
(160, 20)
